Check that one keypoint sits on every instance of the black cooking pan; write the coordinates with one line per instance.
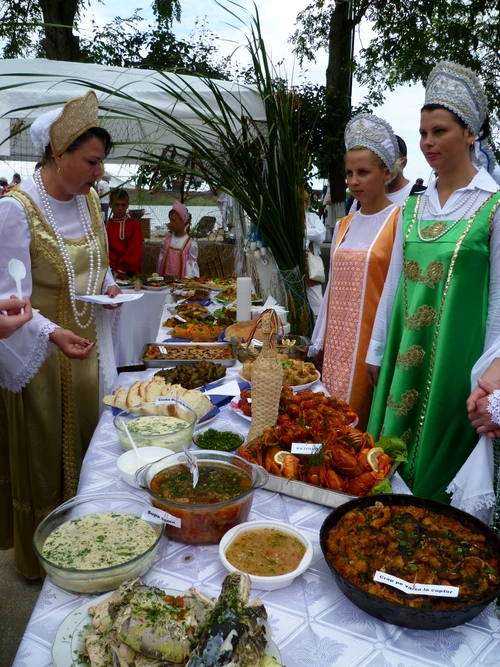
(390, 612)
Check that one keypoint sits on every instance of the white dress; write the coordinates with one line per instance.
(315, 234)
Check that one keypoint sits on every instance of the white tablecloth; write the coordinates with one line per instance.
(139, 322)
(313, 623)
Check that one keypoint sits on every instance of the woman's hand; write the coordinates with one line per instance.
(372, 373)
(112, 291)
(477, 405)
(73, 346)
(14, 319)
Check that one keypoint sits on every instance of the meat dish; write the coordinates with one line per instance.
(416, 545)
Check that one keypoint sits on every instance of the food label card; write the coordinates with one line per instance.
(159, 516)
(416, 589)
(165, 400)
(305, 447)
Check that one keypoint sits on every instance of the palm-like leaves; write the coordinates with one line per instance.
(262, 163)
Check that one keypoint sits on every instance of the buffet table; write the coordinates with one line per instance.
(313, 623)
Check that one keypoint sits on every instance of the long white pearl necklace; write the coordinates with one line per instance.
(93, 248)
(472, 196)
(122, 221)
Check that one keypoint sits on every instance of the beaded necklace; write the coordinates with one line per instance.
(440, 227)
(92, 246)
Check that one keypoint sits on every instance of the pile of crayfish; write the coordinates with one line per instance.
(340, 465)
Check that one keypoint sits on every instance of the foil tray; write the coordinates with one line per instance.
(311, 493)
(165, 361)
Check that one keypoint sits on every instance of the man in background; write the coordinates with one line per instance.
(419, 187)
(103, 192)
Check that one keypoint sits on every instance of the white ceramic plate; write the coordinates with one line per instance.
(235, 408)
(296, 388)
(150, 288)
(69, 642)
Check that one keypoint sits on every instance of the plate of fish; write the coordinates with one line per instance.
(150, 624)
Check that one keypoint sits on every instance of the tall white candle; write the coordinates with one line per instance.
(243, 299)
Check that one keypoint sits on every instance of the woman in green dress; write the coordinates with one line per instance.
(438, 312)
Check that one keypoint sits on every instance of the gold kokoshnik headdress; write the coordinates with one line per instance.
(60, 127)
(369, 131)
(458, 89)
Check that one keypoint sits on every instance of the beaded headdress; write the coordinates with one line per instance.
(60, 127)
(372, 132)
(458, 89)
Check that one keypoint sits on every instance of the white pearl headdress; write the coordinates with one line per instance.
(458, 89)
(372, 132)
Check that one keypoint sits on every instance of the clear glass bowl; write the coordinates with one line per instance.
(106, 579)
(174, 441)
(204, 524)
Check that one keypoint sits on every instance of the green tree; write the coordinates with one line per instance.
(410, 37)
(45, 28)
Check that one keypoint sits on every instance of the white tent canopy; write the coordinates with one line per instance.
(28, 88)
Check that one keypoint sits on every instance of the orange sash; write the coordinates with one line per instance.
(355, 289)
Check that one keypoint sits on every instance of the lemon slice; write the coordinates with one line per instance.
(372, 457)
(279, 458)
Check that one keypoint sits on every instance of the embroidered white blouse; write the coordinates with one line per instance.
(24, 352)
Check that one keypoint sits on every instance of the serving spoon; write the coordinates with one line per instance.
(18, 271)
(134, 446)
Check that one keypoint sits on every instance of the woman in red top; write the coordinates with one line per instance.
(124, 237)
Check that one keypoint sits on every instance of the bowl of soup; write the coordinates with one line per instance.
(272, 553)
(221, 499)
(170, 424)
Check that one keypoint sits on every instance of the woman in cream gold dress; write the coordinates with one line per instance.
(360, 255)
(49, 370)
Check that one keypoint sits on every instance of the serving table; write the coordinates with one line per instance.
(313, 623)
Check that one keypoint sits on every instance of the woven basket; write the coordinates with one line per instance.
(267, 381)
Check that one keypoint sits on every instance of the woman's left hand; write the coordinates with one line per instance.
(112, 291)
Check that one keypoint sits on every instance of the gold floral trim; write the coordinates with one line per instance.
(6, 480)
(412, 357)
(438, 326)
(433, 273)
(406, 436)
(407, 402)
(433, 231)
(424, 317)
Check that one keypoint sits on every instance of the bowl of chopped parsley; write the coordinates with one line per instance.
(224, 441)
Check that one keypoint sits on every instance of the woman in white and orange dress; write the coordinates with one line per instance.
(179, 252)
(360, 256)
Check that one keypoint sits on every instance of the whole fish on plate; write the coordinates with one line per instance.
(140, 625)
(236, 634)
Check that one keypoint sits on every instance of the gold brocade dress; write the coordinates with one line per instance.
(45, 428)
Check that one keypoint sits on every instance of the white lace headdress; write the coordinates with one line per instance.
(372, 132)
(458, 89)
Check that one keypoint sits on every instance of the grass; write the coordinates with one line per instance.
(146, 198)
